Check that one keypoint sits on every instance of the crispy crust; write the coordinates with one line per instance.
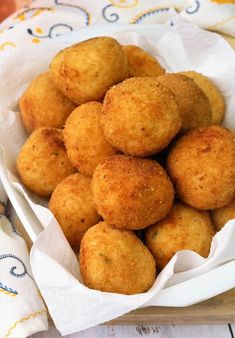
(86, 70)
(43, 105)
(42, 162)
(184, 228)
(193, 104)
(84, 138)
(222, 215)
(140, 117)
(202, 167)
(141, 63)
(215, 97)
(73, 207)
(131, 193)
(114, 260)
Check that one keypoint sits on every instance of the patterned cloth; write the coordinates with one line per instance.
(45, 19)
(22, 311)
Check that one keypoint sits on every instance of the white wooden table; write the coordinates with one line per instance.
(149, 331)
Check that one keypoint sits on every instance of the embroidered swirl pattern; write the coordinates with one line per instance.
(149, 12)
(53, 32)
(7, 290)
(110, 17)
(124, 3)
(13, 270)
(82, 9)
(193, 8)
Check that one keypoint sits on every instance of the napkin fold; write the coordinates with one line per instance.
(22, 310)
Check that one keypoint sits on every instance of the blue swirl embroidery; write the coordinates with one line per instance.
(193, 8)
(140, 17)
(113, 17)
(53, 31)
(31, 12)
(5, 289)
(82, 9)
(13, 269)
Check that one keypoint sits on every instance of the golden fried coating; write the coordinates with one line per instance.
(202, 167)
(140, 117)
(86, 70)
(215, 97)
(140, 63)
(42, 162)
(73, 207)
(222, 215)
(84, 138)
(131, 193)
(115, 260)
(43, 105)
(184, 228)
(193, 104)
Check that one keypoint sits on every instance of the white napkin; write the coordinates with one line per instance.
(22, 309)
(74, 307)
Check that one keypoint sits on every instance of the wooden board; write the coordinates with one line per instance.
(217, 310)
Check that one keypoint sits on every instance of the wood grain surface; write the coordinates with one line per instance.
(217, 310)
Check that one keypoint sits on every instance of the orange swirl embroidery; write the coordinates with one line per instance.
(124, 3)
(24, 319)
(5, 44)
(224, 1)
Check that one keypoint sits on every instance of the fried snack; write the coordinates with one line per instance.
(131, 193)
(114, 260)
(193, 104)
(140, 117)
(202, 167)
(215, 97)
(84, 138)
(42, 162)
(73, 207)
(222, 215)
(184, 228)
(86, 70)
(140, 63)
(43, 105)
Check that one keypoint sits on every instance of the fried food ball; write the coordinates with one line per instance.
(184, 228)
(114, 260)
(42, 162)
(193, 104)
(202, 167)
(140, 117)
(43, 105)
(131, 193)
(84, 138)
(222, 215)
(215, 97)
(86, 70)
(73, 207)
(140, 63)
